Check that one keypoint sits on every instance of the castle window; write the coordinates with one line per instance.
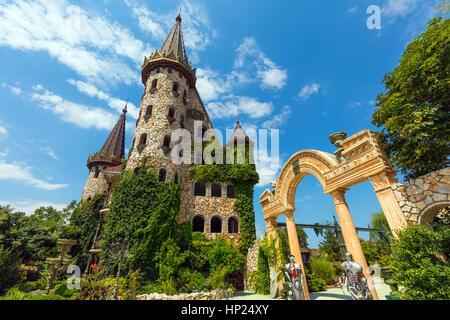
(136, 170)
(233, 225)
(154, 84)
(162, 175)
(171, 114)
(176, 178)
(158, 70)
(216, 190)
(198, 224)
(143, 140)
(216, 225)
(231, 193)
(97, 172)
(175, 87)
(166, 142)
(169, 70)
(199, 189)
(104, 168)
(185, 99)
(182, 122)
(149, 110)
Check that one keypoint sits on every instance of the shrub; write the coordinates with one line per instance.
(322, 269)
(262, 275)
(315, 283)
(10, 272)
(420, 263)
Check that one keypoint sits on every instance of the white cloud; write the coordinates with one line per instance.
(89, 44)
(353, 10)
(267, 168)
(14, 90)
(3, 131)
(355, 104)
(50, 152)
(309, 90)
(278, 120)
(17, 172)
(400, 8)
(80, 115)
(115, 103)
(249, 56)
(4, 153)
(29, 206)
(234, 106)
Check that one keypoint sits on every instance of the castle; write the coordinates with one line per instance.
(170, 101)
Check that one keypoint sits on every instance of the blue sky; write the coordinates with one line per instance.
(307, 68)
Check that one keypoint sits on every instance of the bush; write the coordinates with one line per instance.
(315, 283)
(262, 275)
(322, 269)
(10, 272)
(420, 263)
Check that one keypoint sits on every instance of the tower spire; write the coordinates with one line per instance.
(113, 151)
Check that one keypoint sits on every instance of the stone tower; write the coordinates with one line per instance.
(105, 165)
(171, 101)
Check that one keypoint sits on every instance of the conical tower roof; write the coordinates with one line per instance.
(240, 135)
(172, 53)
(113, 151)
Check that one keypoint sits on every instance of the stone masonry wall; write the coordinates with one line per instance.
(93, 185)
(415, 197)
(252, 261)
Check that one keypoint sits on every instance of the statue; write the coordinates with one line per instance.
(356, 281)
(294, 275)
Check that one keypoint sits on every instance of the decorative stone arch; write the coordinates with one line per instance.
(216, 224)
(359, 158)
(228, 225)
(428, 213)
(197, 225)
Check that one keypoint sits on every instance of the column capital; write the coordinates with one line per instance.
(289, 215)
(383, 180)
(338, 195)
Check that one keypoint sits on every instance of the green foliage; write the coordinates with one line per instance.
(170, 261)
(330, 245)
(315, 283)
(322, 269)
(243, 177)
(370, 251)
(382, 241)
(414, 110)
(420, 263)
(83, 227)
(63, 291)
(10, 272)
(262, 275)
(224, 255)
(144, 210)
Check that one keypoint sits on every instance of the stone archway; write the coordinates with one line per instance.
(358, 158)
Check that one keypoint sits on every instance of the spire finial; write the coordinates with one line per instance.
(179, 16)
(237, 121)
(126, 105)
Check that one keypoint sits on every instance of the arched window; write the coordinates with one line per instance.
(203, 130)
(216, 225)
(166, 142)
(149, 110)
(154, 84)
(175, 87)
(169, 70)
(233, 225)
(143, 140)
(162, 175)
(198, 224)
(216, 190)
(171, 114)
(231, 193)
(97, 172)
(136, 170)
(199, 189)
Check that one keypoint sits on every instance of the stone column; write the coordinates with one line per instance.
(295, 248)
(382, 184)
(271, 224)
(351, 237)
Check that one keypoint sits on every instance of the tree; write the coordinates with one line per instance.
(414, 110)
(382, 241)
(331, 245)
(302, 236)
(420, 263)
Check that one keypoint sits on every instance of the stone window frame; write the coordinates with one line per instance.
(164, 141)
(201, 215)
(218, 216)
(166, 175)
(175, 113)
(176, 88)
(221, 190)
(227, 192)
(193, 189)
(236, 217)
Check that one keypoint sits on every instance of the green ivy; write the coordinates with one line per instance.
(243, 177)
